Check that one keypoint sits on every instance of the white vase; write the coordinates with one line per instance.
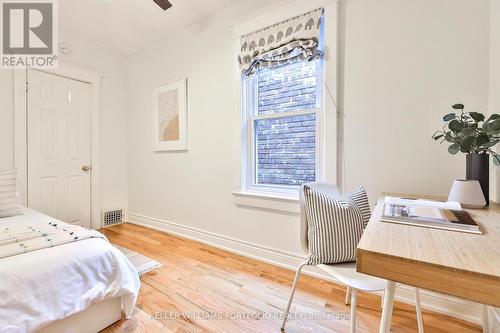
(468, 193)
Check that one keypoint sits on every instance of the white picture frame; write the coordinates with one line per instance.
(170, 116)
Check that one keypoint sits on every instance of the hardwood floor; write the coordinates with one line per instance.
(244, 295)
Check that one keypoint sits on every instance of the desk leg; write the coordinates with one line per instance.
(385, 323)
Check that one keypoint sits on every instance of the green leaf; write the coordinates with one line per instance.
(496, 159)
(455, 126)
(468, 141)
(482, 139)
(476, 116)
(468, 131)
(437, 137)
(449, 137)
(449, 117)
(490, 144)
(493, 117)
(458, 106)
(494, 125)
(453, 149)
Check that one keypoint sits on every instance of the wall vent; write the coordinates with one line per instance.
(112, 217)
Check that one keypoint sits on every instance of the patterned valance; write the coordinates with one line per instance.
(296, 38)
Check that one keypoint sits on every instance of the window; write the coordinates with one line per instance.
(282, 115)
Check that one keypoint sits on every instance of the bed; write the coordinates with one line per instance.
(77, 287)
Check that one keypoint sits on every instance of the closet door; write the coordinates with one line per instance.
(59, 147)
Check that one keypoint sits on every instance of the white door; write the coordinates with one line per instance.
(59, 151)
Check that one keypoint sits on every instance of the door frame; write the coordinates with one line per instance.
(21, 132)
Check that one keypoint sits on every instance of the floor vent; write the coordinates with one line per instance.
(112, 217)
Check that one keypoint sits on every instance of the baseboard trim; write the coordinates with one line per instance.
(448, 305)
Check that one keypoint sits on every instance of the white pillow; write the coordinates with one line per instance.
(8, 197)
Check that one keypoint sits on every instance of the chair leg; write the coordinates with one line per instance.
(385, 320)
(294, 285)
(354, 300)
(420, 320)
(348, 295)
(484, 318)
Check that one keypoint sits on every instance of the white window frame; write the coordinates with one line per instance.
(250, 115)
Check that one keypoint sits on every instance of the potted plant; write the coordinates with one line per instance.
(473, 134)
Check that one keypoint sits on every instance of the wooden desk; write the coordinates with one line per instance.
(449, 262)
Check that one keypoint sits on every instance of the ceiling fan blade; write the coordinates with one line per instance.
(164, 4)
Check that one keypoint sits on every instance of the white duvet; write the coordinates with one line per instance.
(40, 287)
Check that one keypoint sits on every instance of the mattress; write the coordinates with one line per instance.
(43, 286)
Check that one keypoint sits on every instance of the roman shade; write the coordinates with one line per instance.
(295, 39)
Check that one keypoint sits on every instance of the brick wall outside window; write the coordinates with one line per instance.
(287, 88)
(286, 146)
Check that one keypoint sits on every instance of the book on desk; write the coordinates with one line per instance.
(430, 214)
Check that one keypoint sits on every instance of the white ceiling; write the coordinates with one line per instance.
(125, 26)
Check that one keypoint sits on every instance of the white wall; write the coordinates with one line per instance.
(194, 188)
(406, 63)
(113, 131)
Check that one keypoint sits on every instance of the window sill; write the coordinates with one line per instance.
(269, 202)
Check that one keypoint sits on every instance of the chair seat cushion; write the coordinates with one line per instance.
(346, 274)
(335, 224)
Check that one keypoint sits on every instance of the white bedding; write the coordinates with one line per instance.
(40, 287)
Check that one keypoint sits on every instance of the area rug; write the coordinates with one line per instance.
(142, 263)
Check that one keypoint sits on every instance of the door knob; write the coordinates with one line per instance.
(85, 168)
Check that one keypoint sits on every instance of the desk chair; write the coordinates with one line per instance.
(345, 273)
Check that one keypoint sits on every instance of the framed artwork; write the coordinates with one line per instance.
(170, 116)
